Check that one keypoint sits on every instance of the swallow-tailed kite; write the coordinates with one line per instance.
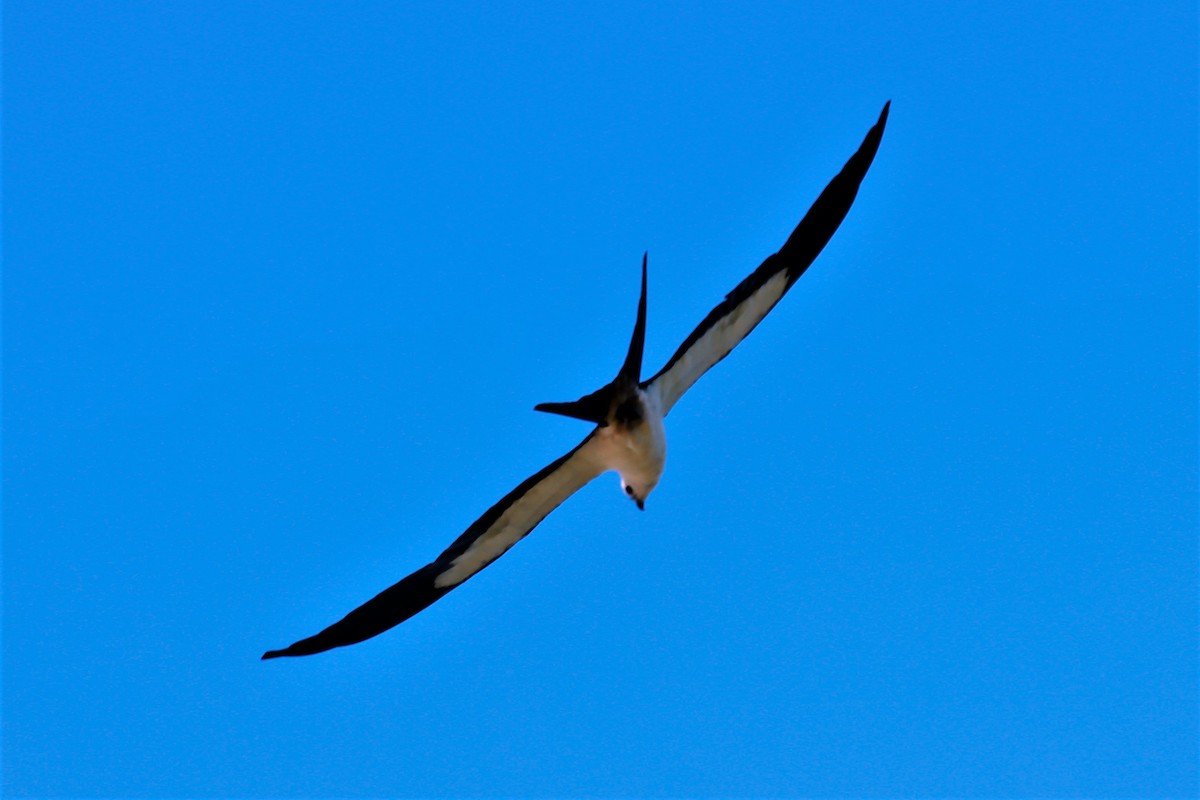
(628, 414)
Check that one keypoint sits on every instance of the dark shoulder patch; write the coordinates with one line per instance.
(629, 411)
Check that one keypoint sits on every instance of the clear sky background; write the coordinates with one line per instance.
(283, 281)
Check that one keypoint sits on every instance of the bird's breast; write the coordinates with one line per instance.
(638, 449)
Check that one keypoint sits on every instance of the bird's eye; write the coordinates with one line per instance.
(629, 491)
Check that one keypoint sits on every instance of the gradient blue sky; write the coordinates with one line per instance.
(283, 281)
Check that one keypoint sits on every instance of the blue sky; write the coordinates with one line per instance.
(283, 281)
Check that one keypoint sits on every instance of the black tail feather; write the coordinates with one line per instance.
(597, 406)
(631, 370)
(590, 408)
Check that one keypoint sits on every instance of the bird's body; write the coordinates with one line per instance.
(629, 436)
(636, 448)
(632, 443)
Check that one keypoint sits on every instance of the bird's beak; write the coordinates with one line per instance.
(641, 504)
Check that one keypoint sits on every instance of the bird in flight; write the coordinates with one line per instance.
(628, 415)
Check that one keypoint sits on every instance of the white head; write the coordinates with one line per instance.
(637, 490)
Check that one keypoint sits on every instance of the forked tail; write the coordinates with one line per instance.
(600, 405)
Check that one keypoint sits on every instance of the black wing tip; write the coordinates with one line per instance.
(302, 648)
(871, 141)
(826, 214)
(861, 161)
(883, 118)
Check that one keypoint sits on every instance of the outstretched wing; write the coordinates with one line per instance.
(501, 526)
(746, 305)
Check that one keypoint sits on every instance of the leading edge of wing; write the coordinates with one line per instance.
(488, 538)
(802, 247)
